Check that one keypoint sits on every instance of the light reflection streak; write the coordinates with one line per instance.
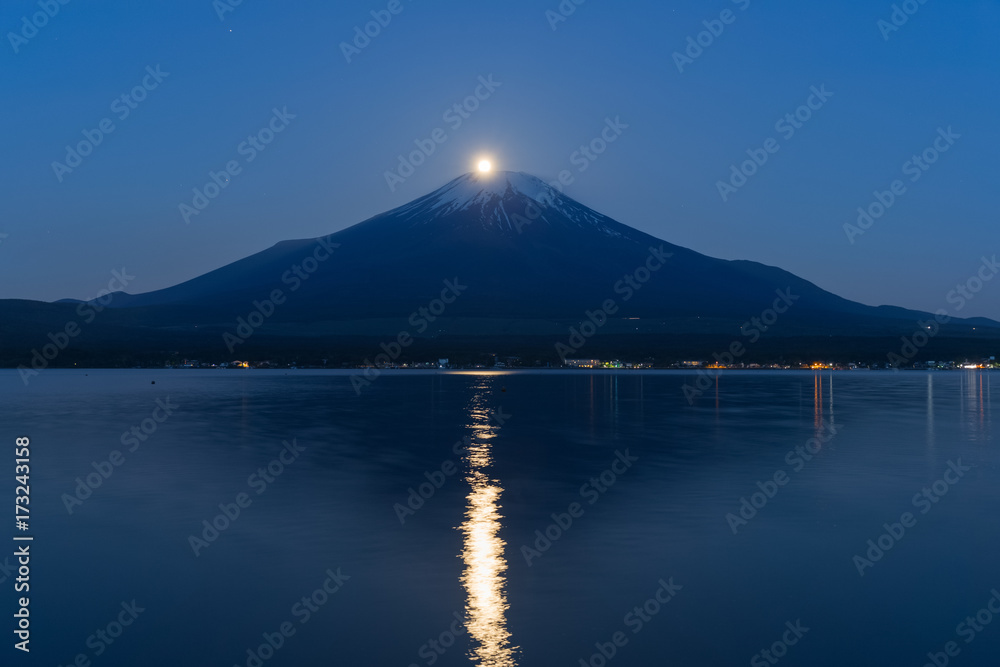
(717, 396)
(974, 407)
(930, 410)
(818, 402)
(831, 400)
(483, 549)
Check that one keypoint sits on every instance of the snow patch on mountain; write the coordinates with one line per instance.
(507, 200)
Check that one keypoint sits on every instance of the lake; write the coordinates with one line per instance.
(506, 518)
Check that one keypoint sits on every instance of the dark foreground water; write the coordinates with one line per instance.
(657, 560)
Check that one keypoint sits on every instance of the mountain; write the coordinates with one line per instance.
(528, 261)
(526, 252)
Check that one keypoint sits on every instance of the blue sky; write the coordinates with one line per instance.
(326, 170)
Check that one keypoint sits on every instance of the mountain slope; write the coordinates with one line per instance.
(525, 251)
(531, 263)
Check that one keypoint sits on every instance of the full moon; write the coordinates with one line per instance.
(485, 166)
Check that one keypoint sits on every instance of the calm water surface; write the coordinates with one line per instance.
(648, 489)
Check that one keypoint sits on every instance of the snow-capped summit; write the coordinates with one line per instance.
(481, 188)
(507, 201)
